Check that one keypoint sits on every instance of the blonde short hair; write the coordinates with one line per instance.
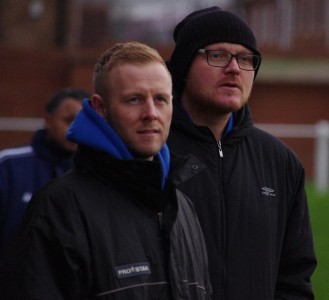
(130, 52)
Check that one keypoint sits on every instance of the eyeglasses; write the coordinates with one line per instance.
(221, 58)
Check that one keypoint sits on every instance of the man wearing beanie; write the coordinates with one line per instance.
(251, 200)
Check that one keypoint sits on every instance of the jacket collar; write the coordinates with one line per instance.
(138, 178)
(239, 123)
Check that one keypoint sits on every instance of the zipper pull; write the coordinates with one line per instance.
(220, 151)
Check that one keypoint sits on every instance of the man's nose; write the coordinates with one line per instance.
(233, 64)
(150, 110)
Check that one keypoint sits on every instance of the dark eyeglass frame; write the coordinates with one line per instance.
(255, 59)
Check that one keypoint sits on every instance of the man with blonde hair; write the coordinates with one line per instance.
(116, 226)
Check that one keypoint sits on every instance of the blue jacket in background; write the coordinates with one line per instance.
(23, 170)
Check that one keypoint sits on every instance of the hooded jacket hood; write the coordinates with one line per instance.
(91, 130)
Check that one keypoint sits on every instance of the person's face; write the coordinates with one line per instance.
(215, 90)
(58, 122)
(139, 106)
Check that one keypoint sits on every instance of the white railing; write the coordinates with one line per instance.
(319, 132)
(20, 124)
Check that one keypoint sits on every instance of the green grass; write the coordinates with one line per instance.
(319, 211)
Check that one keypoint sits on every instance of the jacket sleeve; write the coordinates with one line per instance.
(298, 259)
(44, 262)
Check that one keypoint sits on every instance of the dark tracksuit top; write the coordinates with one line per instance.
(23, 170)
(252, 208)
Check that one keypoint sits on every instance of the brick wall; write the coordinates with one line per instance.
(292, 103)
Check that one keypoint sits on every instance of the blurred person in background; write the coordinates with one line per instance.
(23, 170)
(115, 226)
(251, 202)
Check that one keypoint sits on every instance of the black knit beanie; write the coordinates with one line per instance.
(201, 28)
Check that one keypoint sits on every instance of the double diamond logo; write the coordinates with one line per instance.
(268, 191)
(26, 197)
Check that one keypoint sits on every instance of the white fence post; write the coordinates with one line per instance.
(321, 156)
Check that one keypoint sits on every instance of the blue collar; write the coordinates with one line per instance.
(229, 126)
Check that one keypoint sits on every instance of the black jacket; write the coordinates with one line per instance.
(107, 231)
(252, 208)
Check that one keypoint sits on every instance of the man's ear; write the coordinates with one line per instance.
(99, 105)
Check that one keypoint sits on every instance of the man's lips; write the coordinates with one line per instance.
(230, 85)
(148, 131)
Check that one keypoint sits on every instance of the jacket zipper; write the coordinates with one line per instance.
(220, 150)
(160, 218)
(223, 280)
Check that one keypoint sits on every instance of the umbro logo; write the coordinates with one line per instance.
(268, 191)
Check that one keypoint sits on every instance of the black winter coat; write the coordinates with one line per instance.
(106, 231)
(252, 208)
